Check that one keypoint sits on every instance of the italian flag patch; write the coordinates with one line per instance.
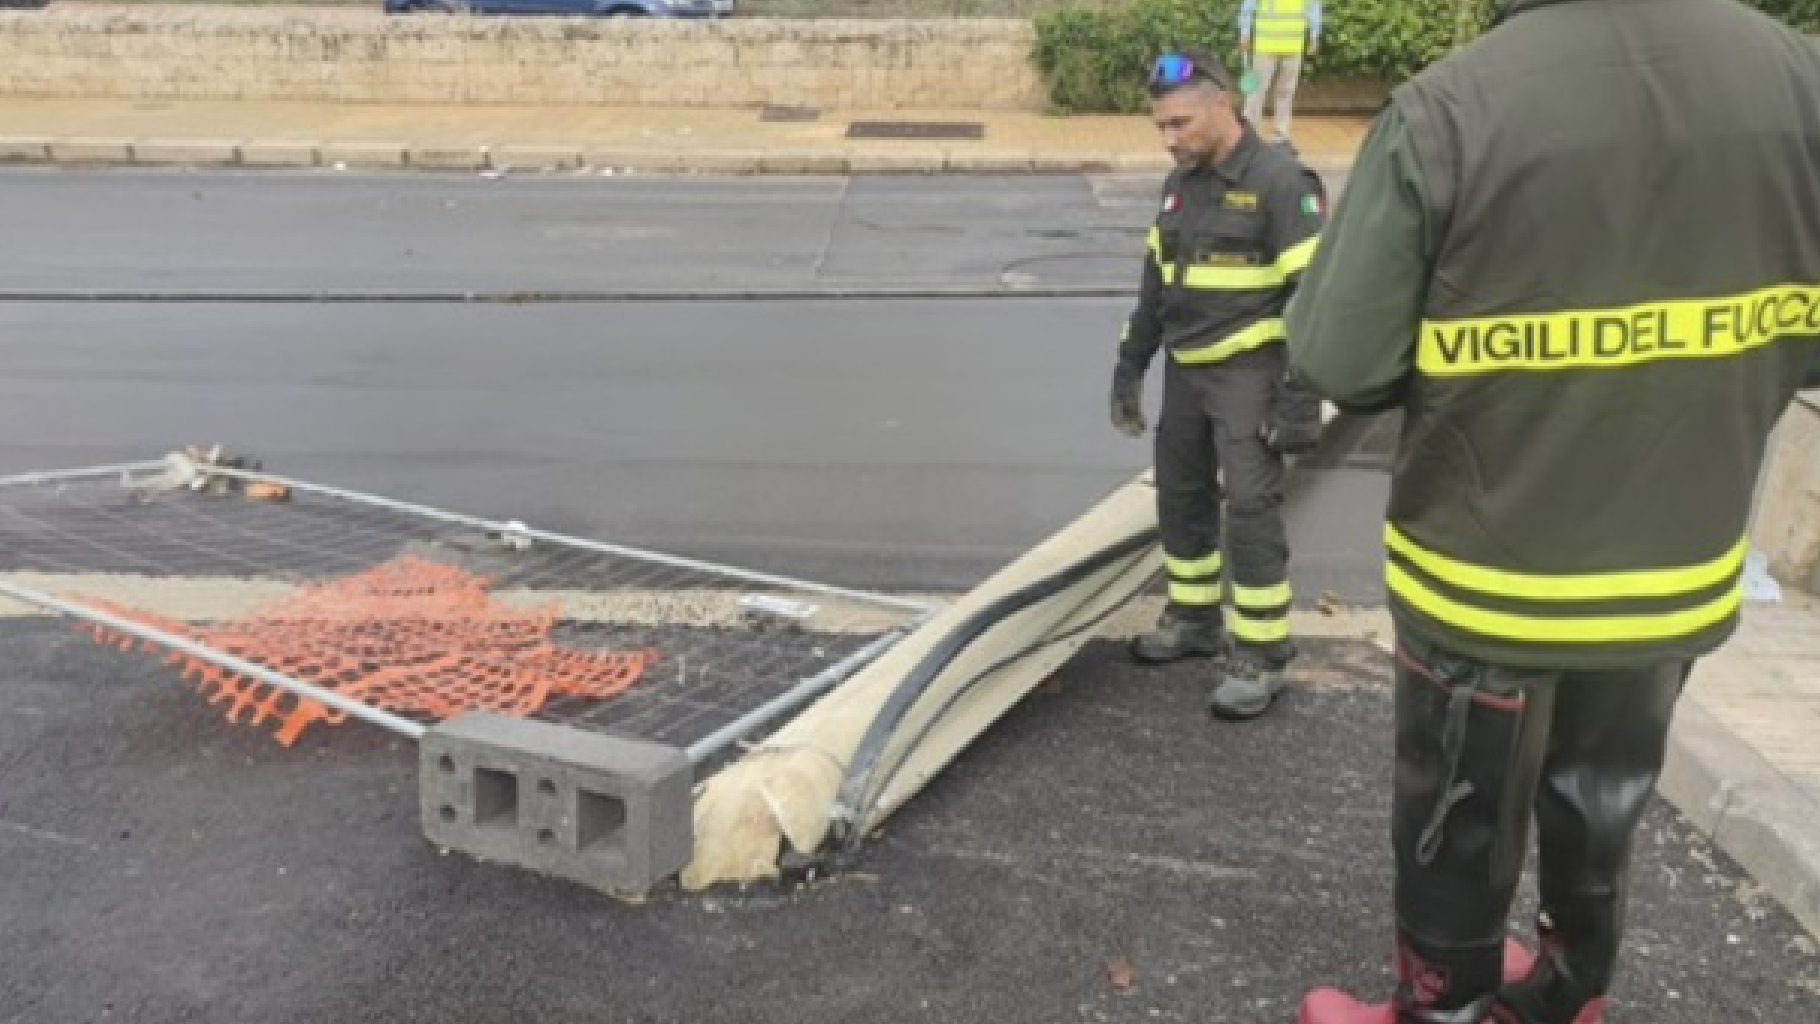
(1311, 205)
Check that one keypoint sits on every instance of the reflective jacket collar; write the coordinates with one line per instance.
(1237, 162)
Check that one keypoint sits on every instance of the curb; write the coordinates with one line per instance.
(1747, 808)
(278, 154)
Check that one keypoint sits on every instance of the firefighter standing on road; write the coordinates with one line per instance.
(1582, 255)
(1238, 223)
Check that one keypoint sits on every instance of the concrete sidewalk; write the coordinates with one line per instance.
(1744, 765)
(699, 140)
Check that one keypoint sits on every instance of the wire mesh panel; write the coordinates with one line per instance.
(422, 612)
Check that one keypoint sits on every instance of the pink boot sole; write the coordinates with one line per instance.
(1331, 1006)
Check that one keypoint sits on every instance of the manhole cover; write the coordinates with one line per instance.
(773, 113)
(916, 130)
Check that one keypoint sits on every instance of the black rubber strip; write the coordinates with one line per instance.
(918, 680)
(1339, 441)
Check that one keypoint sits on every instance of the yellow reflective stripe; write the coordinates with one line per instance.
(1261, 597)
(1261, 333)
(1234, 278)
(1245, 627)
(1296, 258)
(1154, 242)
(1194, 593)
(1191, 567)
(1275, 43)
(1720, 326)
(1584, 587)
(1293, 260)
(1591, 629)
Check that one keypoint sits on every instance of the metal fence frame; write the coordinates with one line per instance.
(798, 694)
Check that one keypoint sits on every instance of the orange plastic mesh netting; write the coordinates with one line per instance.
(409, 635)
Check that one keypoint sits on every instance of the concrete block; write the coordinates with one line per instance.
(1786, 525)
(1771, 831)
(364, 154)
(931, 161)
(645, 161)
(537, 158)
(613, 814)
(1144, 163)
(187, 152)
(724, 161)
(91, 151)
(1072, 163)
(1703, 763)
(987, 161)
(786, 161)
(1752, 811)
(24, 149)
(435, 157)
(279, 153)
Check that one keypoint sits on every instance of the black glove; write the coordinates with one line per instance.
(1294, 427)
(1128, 401)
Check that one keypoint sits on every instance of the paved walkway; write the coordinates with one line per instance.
(652, 139)
(1745, 764)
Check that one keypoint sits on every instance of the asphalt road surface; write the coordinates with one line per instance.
(160, 866)
(904, 444)
(310, 233)
(317, 232)
(900, 444)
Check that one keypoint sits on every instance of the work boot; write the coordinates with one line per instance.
(1448, 985)
(1330, 1006)
(1519, 962)
(1177, 636)
(1550, 993)
(1248, 685)
(1590, 1012)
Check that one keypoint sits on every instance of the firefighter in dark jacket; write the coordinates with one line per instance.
(1582, 256)
(1238, 224)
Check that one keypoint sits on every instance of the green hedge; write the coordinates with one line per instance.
(1093, 55)
(1804, 14)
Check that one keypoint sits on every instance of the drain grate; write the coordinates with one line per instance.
(916, 130)
(776, 113)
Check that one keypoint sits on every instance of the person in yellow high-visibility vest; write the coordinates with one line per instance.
(1274, 36)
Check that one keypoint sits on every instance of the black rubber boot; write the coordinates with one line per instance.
(1551, 994)
(1470, 740)
(1435, 985)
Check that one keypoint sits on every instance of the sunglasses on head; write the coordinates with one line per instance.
(1174, 68)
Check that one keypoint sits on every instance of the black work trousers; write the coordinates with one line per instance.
(1210, 446)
